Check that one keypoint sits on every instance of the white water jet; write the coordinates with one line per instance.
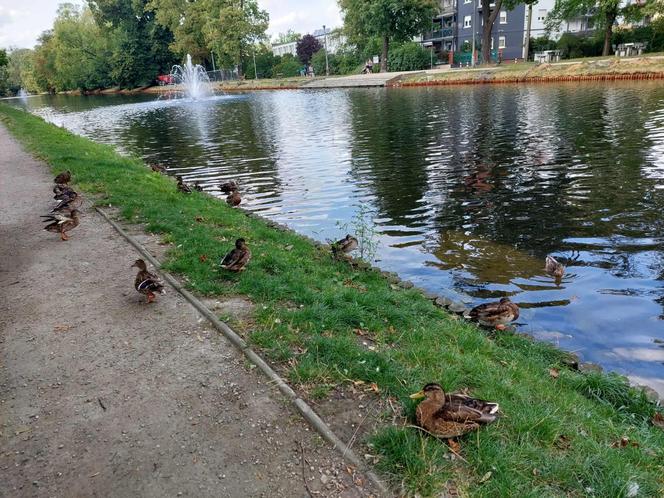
(23, 95)
(193, 78)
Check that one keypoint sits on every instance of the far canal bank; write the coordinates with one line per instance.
(332, 329)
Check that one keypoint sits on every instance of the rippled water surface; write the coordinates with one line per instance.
(470, 188)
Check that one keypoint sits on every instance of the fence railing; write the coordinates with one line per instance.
(223, 75)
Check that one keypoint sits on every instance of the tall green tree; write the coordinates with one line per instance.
(287, 37)
(3, 57)
(391, 20)
(140, 45)
(185, 19)
(604, 13)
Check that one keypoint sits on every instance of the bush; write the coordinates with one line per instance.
(652, 35)
(318, 63)
(288, 67)
(410, 56)
(574, 46)
(541, 43)
(265, 63)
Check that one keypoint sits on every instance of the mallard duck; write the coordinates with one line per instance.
(63, 178)
(62, 222)
(344, 246)
(238, 257)
(61, 189)
(145, 282)
(70, 200)
(451, 415)
(498, 313)
(158, 168)
(234, 198)
(553, 267)
(228, 187)
(183, 187)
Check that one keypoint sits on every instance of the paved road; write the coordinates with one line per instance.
(103, 395)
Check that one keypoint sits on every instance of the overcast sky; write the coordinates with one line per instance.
(21, 22)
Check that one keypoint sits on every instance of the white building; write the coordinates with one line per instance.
(335, 40)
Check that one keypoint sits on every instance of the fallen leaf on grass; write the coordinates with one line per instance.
(562, 442)
(61, 327)
(623, 442)
(374, 387)
(554, 372)
(202, 258)
(199, 219)
(658, 420)
(536, 472)
(486, 477)
(289, 247)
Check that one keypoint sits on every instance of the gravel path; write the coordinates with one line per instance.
(103, 395)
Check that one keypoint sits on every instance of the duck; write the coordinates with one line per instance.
(452, 415)
(344, 246)
(234, 198)
(68, 201)
(198, 187)
(62, 222)
(238, 257)
(553, 267)
(62, 178)
(497, 313)
(183, 187)
(228, 187)
(147, 283)
(61, 189)
(158, 168)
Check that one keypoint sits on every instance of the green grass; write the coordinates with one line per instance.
(555, 437)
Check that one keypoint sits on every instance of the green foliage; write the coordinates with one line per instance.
(265, 62)
(574, 46)
(541, 43)
(556, 436)
(652, 35)
(389, 20)
(318, 62)
(287, 37)
(3, 57)
(306, 47)
(287, 67)
(409, 56)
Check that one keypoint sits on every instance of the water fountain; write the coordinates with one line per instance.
(193, 78)
(23, 95)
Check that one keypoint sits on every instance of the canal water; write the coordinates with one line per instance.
(469, 188)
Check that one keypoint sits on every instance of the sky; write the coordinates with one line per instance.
(21, 22)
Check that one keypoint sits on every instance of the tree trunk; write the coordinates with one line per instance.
(608, 33)
(383, 57)
(489, 18)
(526, 41)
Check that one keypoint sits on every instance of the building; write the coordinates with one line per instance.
(335, 40)
(459, 20)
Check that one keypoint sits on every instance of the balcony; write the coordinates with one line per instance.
(438, 34)
(447, 8)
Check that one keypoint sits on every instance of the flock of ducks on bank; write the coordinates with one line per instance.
(440, 414)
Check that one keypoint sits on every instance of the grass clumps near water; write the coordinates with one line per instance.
(326, 324)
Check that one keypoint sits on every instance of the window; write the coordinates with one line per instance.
(467, 20)
(501, 42)
(503, 17)
(541, 14)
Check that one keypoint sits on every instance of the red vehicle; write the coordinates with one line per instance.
(165, 79)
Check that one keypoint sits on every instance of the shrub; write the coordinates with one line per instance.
(288, 67)
(410, 56)
(574, 46)
(318, 62)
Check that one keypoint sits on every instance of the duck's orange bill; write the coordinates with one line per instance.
(418, 395)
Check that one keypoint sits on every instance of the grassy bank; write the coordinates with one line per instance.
(578, 70)
(559, 436)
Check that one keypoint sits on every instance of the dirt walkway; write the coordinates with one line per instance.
(102, 395)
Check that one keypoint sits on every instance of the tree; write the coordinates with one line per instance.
(488, 19)
(306, 47)
(140, 45)
(185, 20)
(603, 12)
(287, 37)
(3, 57)
(391, 20)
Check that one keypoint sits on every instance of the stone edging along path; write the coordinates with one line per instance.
(302, 406)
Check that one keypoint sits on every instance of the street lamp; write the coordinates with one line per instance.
(327, 64)
(472, 50)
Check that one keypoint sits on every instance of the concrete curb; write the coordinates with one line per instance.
(302, 406)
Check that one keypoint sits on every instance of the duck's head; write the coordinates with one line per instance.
(505, 300)
(432, 391)
(178, 178)
(140, 264)
(240, 243)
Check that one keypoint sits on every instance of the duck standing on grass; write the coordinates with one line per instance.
(63, 178)
(554, 268)
(451, 415)
(158, 168)
(344, 246)
(145, 282)
(62, 222)
(237, 258)
(497, 314)
(183, 187)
